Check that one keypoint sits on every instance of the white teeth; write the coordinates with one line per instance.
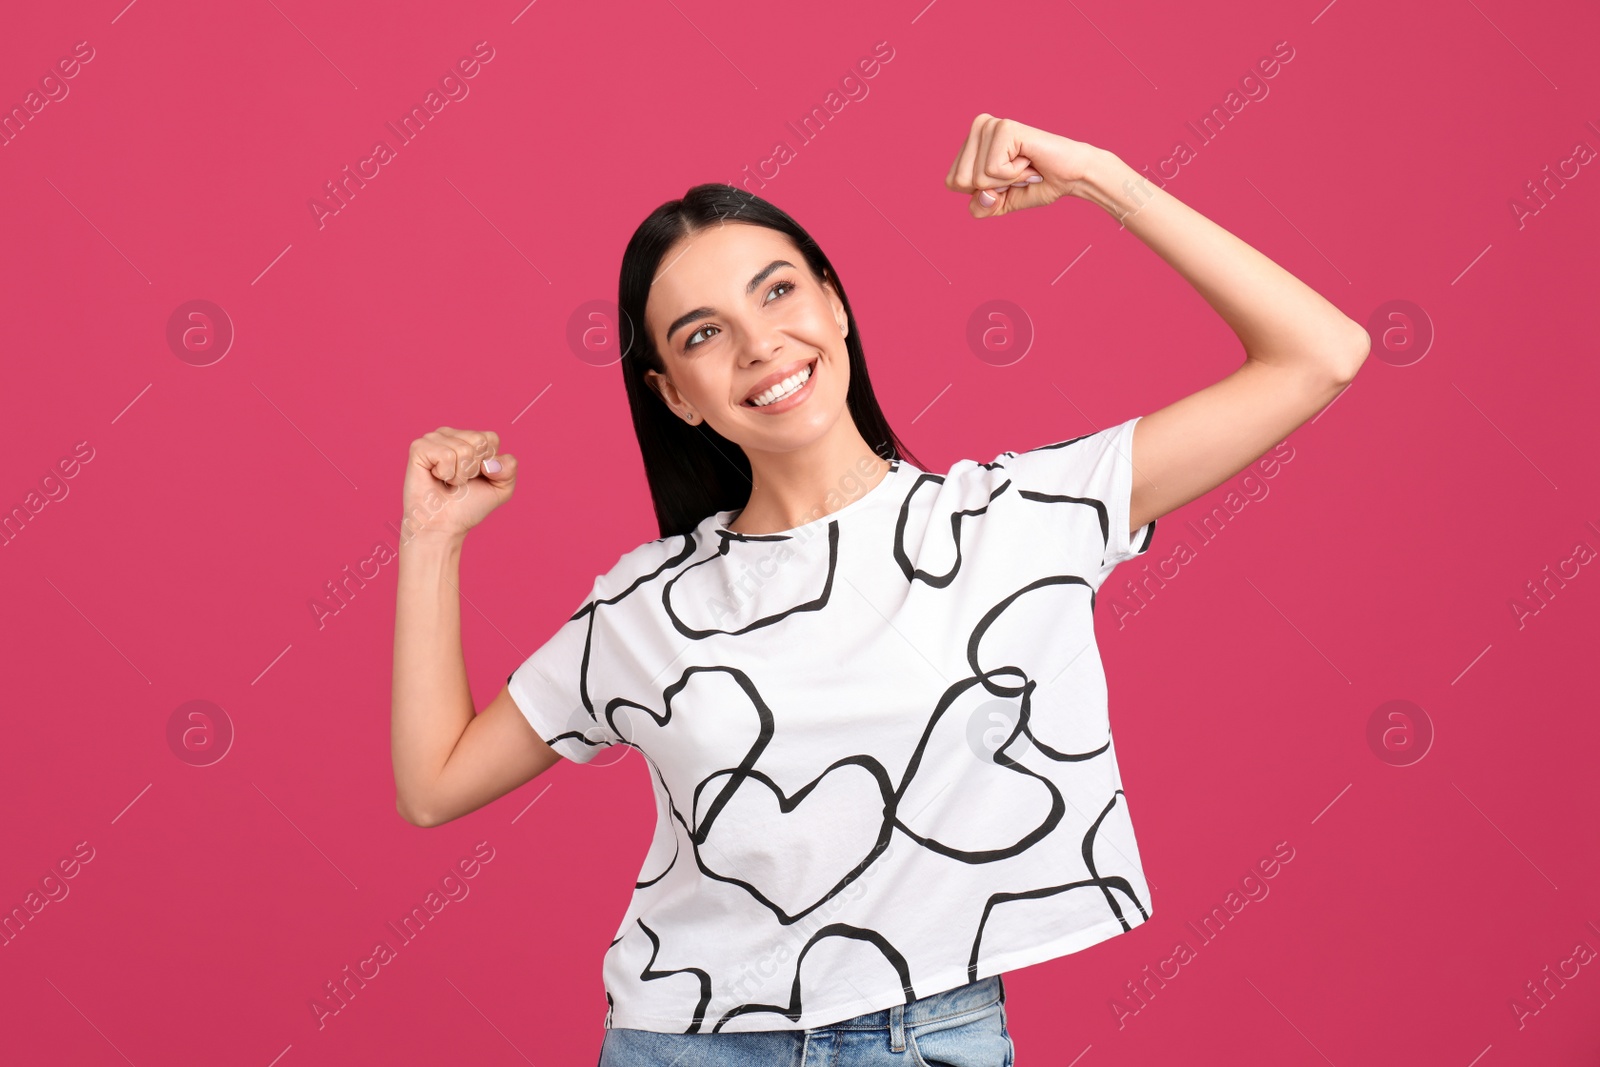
(782, 389)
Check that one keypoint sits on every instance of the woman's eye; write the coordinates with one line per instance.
(690, 342)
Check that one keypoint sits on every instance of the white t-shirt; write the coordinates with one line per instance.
(878, 742)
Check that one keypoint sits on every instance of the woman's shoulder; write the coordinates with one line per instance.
(1080, 454)
(1084, 464)
(642, 563)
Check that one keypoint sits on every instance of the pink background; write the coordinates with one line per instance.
(219, 499)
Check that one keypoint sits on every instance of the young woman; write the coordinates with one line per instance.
(868, 695)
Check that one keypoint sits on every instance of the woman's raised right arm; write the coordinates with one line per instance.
(447, 760)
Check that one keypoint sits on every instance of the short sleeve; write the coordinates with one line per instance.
(548, 689)
(1097, 468)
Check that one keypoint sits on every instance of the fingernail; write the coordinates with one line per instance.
(1019, 185)
(986, 198)
(1035, 178)
(492, 466)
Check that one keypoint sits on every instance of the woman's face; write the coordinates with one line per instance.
(735, 310)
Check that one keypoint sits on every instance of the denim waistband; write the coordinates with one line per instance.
(931, 1008)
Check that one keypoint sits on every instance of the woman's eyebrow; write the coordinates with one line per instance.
(683, 320)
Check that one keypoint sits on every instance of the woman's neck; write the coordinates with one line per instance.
(790, 489)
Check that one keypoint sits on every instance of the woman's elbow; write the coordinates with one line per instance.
(414, 816)
(1351, 354)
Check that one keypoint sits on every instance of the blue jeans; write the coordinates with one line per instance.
(962, 1027)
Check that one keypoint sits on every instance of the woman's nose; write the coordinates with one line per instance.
(761, 345)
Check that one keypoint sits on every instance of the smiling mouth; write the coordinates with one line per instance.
(784, 389)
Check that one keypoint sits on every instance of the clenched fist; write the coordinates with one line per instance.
(454, 478)
(1007, 166)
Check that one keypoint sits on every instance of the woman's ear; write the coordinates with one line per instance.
(839, 316)
(670, 396)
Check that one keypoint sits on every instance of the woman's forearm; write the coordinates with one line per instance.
(1278, 318)
(432, 701)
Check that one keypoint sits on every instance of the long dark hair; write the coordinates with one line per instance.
(694, 471)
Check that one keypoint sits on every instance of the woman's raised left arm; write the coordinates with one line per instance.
(1300, 350)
